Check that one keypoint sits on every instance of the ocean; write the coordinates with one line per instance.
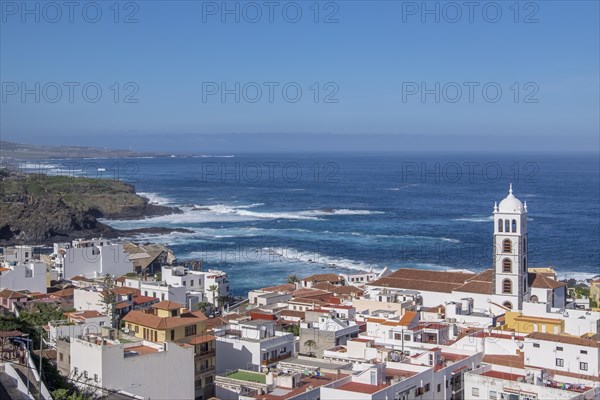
(263, 217)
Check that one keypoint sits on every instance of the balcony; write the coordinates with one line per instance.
(204, 371)
(276, 359)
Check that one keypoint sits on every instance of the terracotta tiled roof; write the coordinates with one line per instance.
(70, 292)
(292, 313)
(122, 304)
(288, 287)
(575, 340)
(426, 280)
(168, 305)
(481, 283)
(121, 279)
(323, 278)
(81, 278)
(408, 317)
(124, 291)
(516, 361)
(431, 276)
(84, 314)
(152, 321)
(212, 323)
(543, 282)
(11, 294)
(202, 339)
(345, 290)
(143, 299)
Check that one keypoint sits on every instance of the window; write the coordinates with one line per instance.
(427, 387)
(507, 286)
(60, 357)
(536, 345)
(493, 395)
(407, 337)
(582, 351)
(283, 350)
(506, 265)
(192, 282)
(137, 329)
(583, 366)
(95, 377)
(475, 392)
(558, 348)
(507, 225)
(439, 387)
(85, 374)
(499, 225)
(162, 296)
(560, 362)
(75, 371)
(514, 225)
(190, 330)
(172, 334)
(506, 246)
(534, 299)
(154, 294)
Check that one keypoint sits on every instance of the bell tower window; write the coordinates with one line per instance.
(507, 286)
(506, 246)
(507, 265)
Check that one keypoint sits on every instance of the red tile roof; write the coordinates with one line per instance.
(543, 282)
(323, 278)
(153, 321)
(168, 305)
(567, 339)
(11, 294)
(361, 387)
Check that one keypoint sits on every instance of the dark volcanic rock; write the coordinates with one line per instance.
(42, 209)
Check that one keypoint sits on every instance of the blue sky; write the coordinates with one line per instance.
(371, 61)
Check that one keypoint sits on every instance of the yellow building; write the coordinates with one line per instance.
(169, 321)
(595, 290)
(516, 321)
(165, 321)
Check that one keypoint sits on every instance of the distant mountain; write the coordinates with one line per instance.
(21, 151)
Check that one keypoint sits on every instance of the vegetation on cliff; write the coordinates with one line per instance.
(37, 208)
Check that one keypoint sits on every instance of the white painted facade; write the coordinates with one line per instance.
(565, 357)
(577, 322)
(510, 252)
(251, 345)
(196, 282)
(29, 276)
(165, 371)
(87, 299)
(478, 386)
(92, 259)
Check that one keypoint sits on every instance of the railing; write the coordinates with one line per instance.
(276, 359)
(206, 352)
(206, 370)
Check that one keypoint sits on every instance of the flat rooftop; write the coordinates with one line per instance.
(361, 387)
(248, 376)
(314, 363)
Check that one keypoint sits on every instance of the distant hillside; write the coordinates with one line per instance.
(40, 209)
(35, 152)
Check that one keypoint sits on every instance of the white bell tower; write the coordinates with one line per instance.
(510, 251)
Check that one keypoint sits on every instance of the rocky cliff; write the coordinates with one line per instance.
(43, 209)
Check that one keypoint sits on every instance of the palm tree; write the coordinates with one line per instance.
(293, 279)
(213, 289)
(310, 344)
(203, 306)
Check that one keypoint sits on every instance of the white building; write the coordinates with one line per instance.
(430, 374)
(161, 290)
(92, 259)
(146, 369)
(77, 323)
(563, 354)
(251, 345)
(505, 286)
(29, 276)
(212, 284)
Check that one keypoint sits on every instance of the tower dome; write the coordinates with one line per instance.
(510, 204)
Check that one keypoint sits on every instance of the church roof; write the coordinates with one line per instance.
(482, 283)
(541, 281)
(421, 279)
